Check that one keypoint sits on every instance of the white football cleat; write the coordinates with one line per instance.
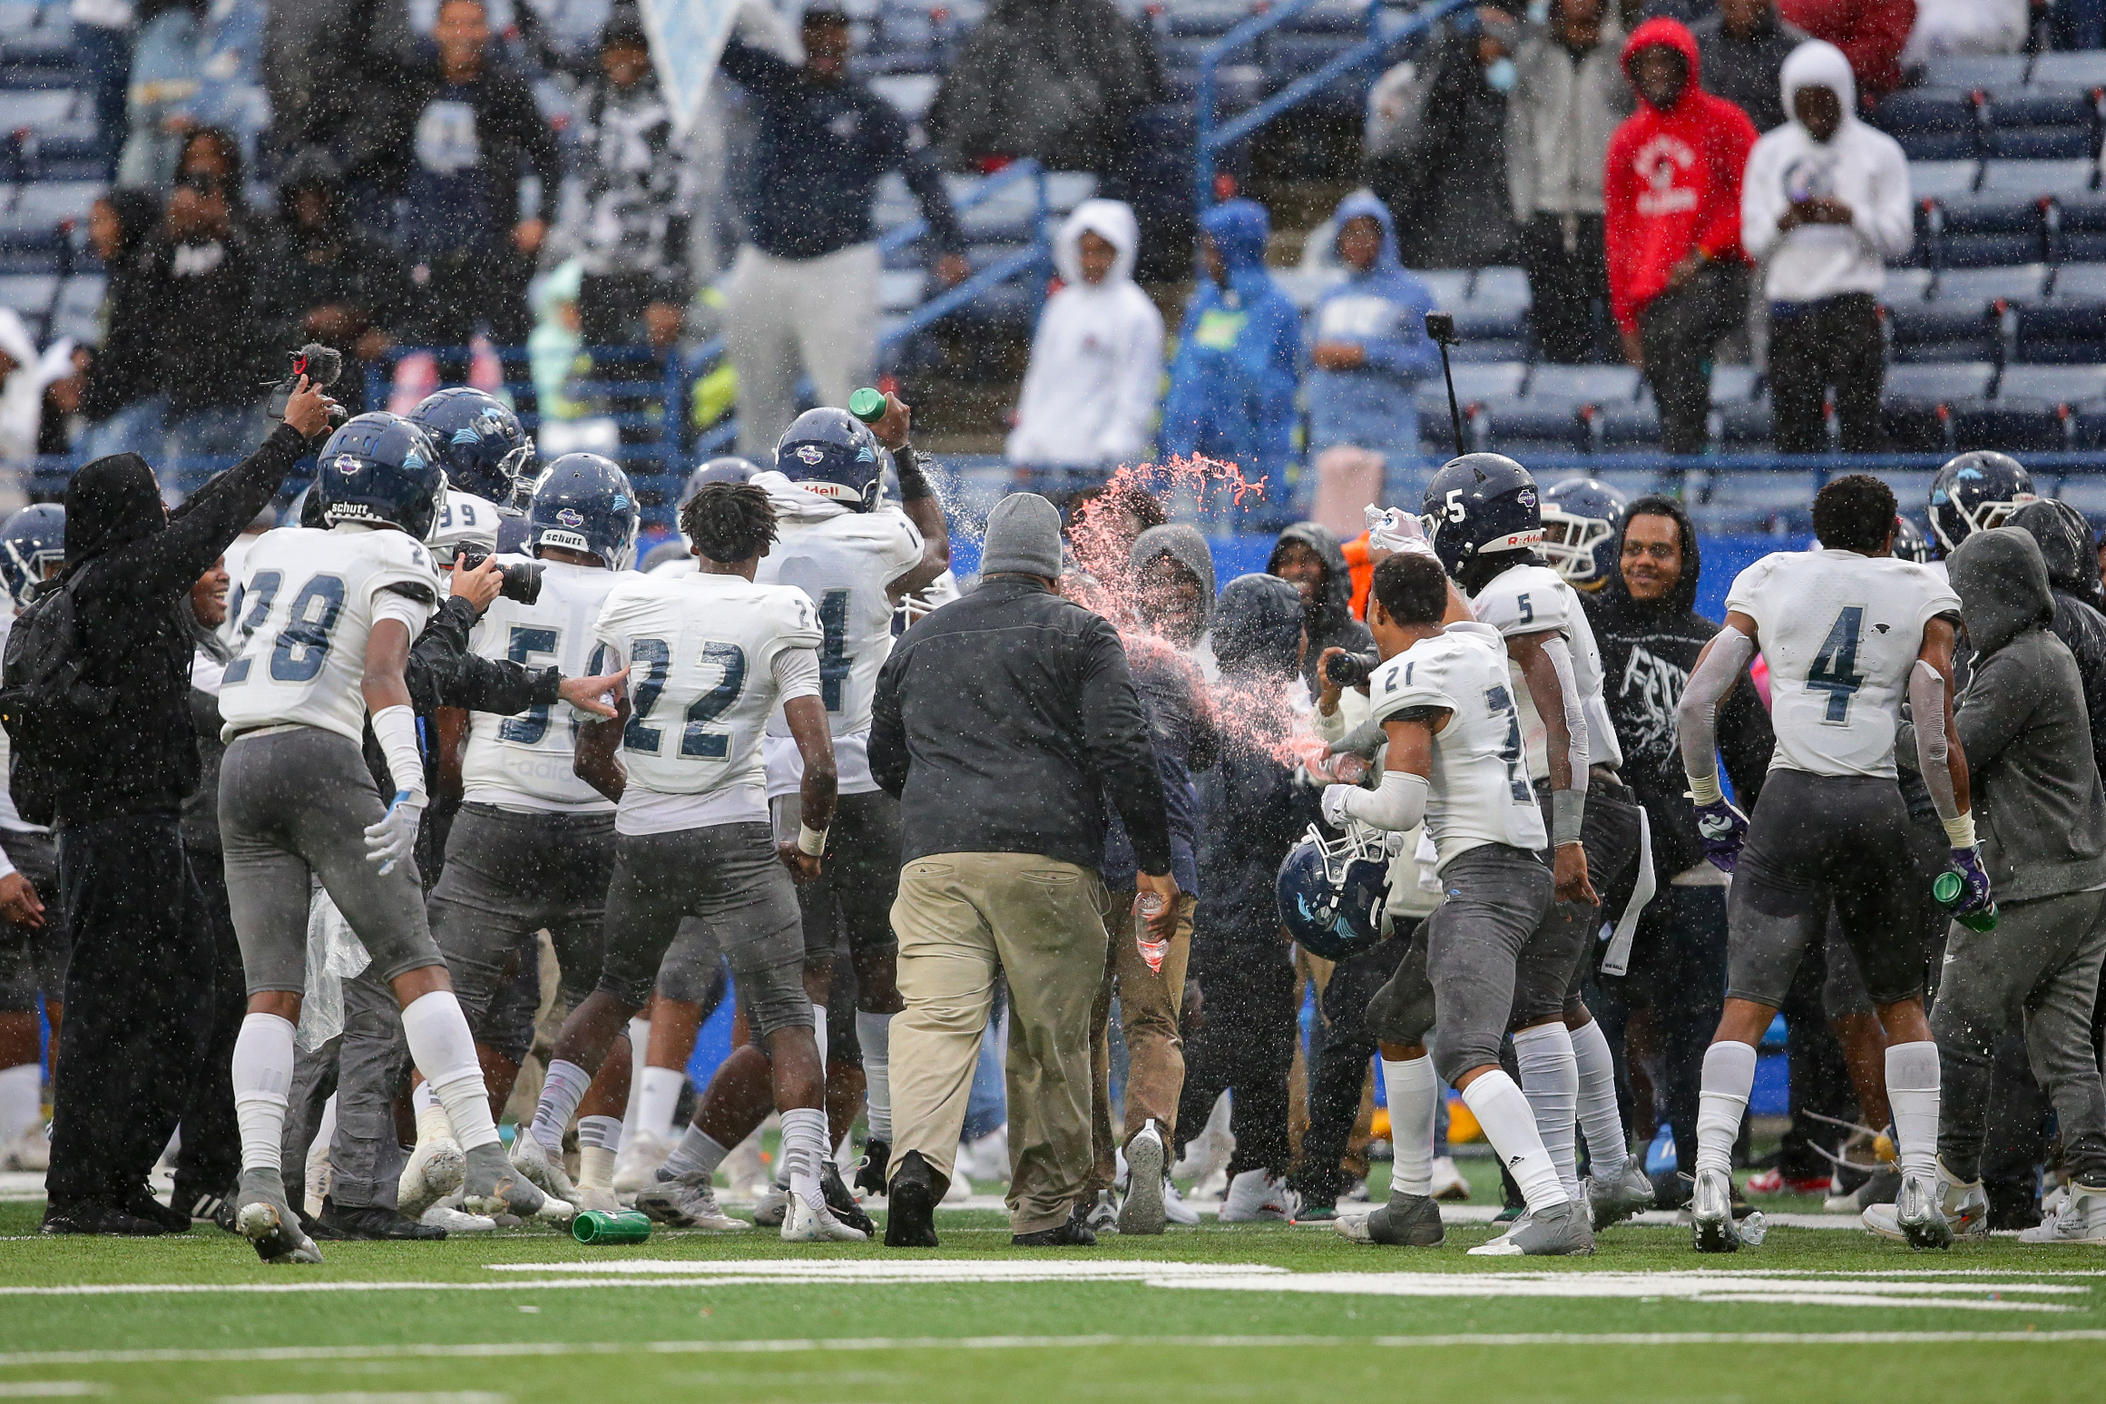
(1448, 1182)
(533, 1160)
(810, 1221)
(637, 1169)
(1175, 1210)
(455, 1220)
(685, 1204)
(1919, 1214)
(1562, 1231)
(1711, 1226)
(1143, 1210)
(1256, 1196)
(436, 1171)
(595, 1199)
(1963, 1204)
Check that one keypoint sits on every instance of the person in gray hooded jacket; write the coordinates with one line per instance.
(2042, 817)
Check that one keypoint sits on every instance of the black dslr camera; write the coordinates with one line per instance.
(1351, 669)
(521, 580)
(322, 365)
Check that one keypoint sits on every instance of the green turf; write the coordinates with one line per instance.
(1067, 1340)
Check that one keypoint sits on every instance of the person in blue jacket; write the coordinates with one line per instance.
(1367, 350)
(1233, 379)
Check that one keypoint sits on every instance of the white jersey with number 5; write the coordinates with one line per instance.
(845, 561)
(1840, 632)
(710, 658)
(524, 762)
(311, 600)
(1479, 791)
(1534, 599)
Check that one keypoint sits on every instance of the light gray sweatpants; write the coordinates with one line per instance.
(780, 314)
(2038, 970)
(363, 1066)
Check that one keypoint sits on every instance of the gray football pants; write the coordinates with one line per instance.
(2039, 971)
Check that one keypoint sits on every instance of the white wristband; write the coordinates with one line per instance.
(395, 728)
(810, 841)
(1959, 830)
(1704, 788)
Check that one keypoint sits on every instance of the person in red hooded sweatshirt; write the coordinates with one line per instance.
(1678, 281)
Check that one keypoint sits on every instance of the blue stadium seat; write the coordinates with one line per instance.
(1477, 384)
(1992, 73)
(1942, 180)
(31, 295)
(34, 224)
(1560, 405)
(1920, 399)
(2005, 218)
(2068, 322)
(1962, 317)
(1932, 124)
(2069, 68)
(1448, 285)
(1497, 306)
(1627, 426)
(2034, 409)
(1740, 404)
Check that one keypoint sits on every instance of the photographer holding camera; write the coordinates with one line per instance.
(1308, 557)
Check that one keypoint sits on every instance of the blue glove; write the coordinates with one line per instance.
(1722, 829)
(1967, 862)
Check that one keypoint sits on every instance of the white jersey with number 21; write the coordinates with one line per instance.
(1840, 632)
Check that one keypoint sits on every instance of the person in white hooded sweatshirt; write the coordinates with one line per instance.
(1825, 201)
(1097, 361)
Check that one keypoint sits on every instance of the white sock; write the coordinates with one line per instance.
(263, 1068)
(632, 1110)
(1509, 1123)
(658, 1093)
(1414, 1092)
(444, 1051)
(599, 1142)
(432, 1122)
(561, 1091)
(1912, 1091)
(696, 1158)
(874, 1032)
(22, 1099)
(1550, 1081)
(803, 1150)
(1600, 1120)
(819, 1033)
(1729, 1076)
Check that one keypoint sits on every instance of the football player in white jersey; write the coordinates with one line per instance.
(1455, 761)
(1849, 633)
(712, 657)
(1484, 520)
(325, 639)
(533, 845)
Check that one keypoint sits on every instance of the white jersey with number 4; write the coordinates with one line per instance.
(1479, 791)
(1534, 599)
(310, 602)
(524, 762)
(710, 659)
(1840, 633)
(845, 561)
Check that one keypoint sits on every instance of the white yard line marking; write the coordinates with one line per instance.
(51, 1389)
(903, 1269)
(1661, 1286)
(462, 1396)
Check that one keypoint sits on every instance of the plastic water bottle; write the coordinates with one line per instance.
(1948, 889)
(1146, 909)
(600, 1228)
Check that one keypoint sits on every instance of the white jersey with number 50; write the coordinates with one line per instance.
(524, 762)
(311, 600)
(1840, 632)
(710, 658)
(1534, 599)
(1479, 791)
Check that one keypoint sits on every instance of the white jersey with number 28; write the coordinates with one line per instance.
(1840, 632)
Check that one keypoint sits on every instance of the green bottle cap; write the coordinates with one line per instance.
(867, 404)
(1948, 887)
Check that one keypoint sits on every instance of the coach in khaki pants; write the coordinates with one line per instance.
(1004, 723)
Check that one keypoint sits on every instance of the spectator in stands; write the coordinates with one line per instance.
(1871, 34)
(1056, 80)
(209, 160)
(1367, 351)
(1569, 95)
(1436, 146)
(200, 273)
(638, 190)
(1825, 200)
(103, 31)
(197, 64)
(1232, 383)
(1096, 361)
(1678, 281)
(1743, 46)
(805, 284)
(122, 404)
(21, 390)
(334, 73)
(328, 282)
(1966, 27)
(463, 141)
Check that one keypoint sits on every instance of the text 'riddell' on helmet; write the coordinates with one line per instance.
(381, 469)
(1581, 520)
(584, 503)
(832, 454)
(1478, 505)
(480, 442)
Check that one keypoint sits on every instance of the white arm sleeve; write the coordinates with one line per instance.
(1399, 804)
(1697, 717)
(395, 728)
(1927, 703)
(1560, 655)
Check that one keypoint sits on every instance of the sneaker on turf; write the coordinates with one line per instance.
(1258, 1196)
(807, 1222)
(1407, 1221)
(1881, 1188)
(457, 1220)
(1613, 1198)
(597, 1199)
(435, 1172)
(636, 1169)
(1103, 1214)
(1143, 1210)
(1448, 1182)
(1558, 1232)
(2079, 1218)
(686, 1204)
(1175, 1210)
(1774, 1181)
(959, 1190)
(1711, 1226)
(541, 1166)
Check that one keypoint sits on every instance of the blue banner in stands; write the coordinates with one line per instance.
(687, 39)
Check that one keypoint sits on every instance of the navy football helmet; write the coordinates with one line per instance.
(729, 469)
(1480, 504)
(1910, 544)
(32, 549)
(380, 468)
(1581, 520)
(584, 503)
(830, 453)
(1974, 492)
(481, 445)
(1332, 891)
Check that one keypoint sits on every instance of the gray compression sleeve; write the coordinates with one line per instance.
(1697, 717)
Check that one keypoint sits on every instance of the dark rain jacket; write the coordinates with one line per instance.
(1328, 621)
(2064, 537)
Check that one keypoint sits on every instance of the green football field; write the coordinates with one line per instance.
(1217, 1312)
